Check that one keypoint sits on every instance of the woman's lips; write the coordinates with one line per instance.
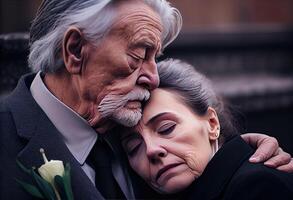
(165, 169)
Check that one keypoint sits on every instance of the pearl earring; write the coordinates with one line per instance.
(217, 133)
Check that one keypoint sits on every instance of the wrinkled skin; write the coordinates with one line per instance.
(124, 59)
(171, 135)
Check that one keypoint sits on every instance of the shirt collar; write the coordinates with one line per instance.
(78, 135)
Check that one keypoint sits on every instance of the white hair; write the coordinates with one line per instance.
(113, 106)
(93, 17)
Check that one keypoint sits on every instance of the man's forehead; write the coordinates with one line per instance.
(124, 7)
(136, 12)
(141, 26)
(147, 41)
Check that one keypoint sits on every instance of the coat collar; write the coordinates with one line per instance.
(33, 125)
(220, 170)
(24, 109)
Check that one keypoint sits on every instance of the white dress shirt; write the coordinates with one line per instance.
(78, 136)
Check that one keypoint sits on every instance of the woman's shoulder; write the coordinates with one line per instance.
(256, 181)
(229, 176)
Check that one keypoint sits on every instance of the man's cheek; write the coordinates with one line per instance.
(124, 85)
(121, 69)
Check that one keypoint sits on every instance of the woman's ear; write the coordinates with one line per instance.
(214, 124)
(72, 49)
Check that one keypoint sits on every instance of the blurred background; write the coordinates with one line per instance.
(244, 46)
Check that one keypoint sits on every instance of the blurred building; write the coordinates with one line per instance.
(16, 15)
(214, 14)
(245, 46)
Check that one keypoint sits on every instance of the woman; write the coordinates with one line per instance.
(187, 144)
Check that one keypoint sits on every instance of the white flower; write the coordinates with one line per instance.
(50, 169)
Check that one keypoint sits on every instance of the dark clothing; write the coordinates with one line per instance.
(100, 158)
(229, 175)
(24, 129)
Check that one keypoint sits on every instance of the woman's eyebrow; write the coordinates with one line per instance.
(154, 118)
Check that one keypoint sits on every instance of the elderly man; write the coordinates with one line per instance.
(96, 65)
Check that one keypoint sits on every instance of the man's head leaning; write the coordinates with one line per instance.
(98, 56)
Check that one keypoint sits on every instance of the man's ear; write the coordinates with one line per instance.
(72, 49)
(214, 124)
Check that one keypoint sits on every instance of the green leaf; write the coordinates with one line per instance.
(59, 183)
(67, 181)
(30, 189)
(21, 166)
(45, 187)
(64, 184)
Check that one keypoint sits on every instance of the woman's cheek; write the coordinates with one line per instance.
(195, 163)
(181, 149)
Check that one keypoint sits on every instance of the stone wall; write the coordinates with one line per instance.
(13, 60)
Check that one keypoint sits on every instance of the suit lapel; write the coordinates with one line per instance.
(32, 124)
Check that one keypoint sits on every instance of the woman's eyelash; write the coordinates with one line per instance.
(166, 129)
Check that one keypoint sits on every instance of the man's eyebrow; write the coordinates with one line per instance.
(143, 44)
(154, 118)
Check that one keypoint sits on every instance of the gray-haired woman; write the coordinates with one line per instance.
(186, 143)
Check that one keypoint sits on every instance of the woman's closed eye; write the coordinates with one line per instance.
(166, 128)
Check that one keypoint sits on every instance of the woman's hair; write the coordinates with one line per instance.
(196, 91)
(93, 17)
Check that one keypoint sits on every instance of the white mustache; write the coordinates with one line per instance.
(113, 102)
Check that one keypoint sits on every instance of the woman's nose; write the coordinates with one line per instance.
(155, 152)
(149, 77)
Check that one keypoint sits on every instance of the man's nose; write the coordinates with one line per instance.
(155, 152)
(148, 76)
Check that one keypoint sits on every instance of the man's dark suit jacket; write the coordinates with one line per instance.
(229, 175)
(24, 129)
